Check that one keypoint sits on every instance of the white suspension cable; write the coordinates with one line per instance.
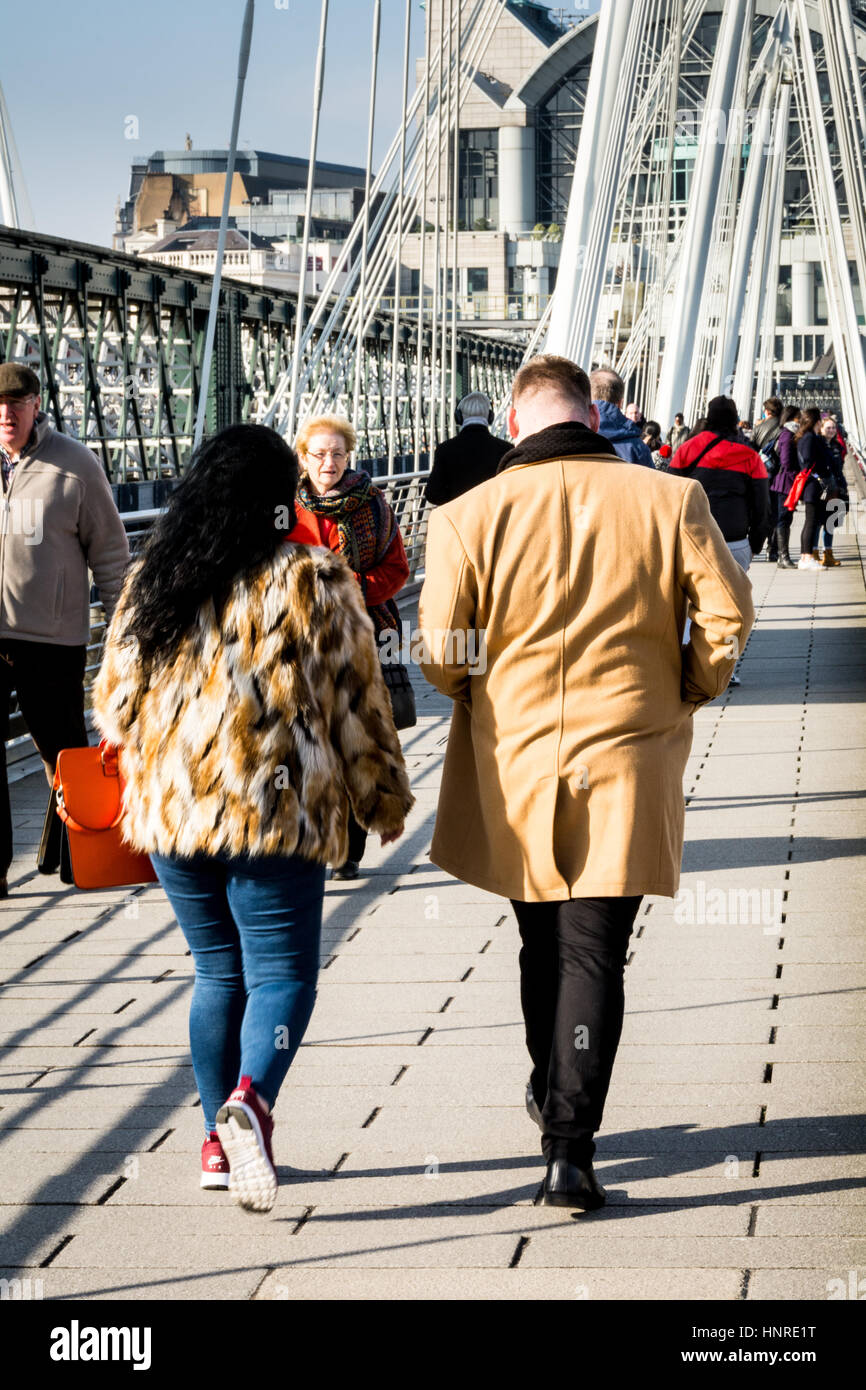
(213, 311)
(398, 246)
(308, 215)
(419, 366)
(365, 234)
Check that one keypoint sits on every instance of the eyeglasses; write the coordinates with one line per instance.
(336, 454)
(16, 402)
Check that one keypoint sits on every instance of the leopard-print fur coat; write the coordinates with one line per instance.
(253, 739)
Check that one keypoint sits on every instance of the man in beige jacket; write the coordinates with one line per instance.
(562, 785)
(58, 522)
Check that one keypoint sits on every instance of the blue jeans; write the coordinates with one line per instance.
(253, 926)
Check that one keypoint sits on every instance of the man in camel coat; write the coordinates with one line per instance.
(562, 785)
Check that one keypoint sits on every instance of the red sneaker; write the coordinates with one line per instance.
(214, 1164)
(245, 1132)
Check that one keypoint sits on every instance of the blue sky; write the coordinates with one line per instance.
(73, 74)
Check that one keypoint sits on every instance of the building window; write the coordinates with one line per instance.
(783, 301)
(798, 347)
(819, 307)
(558, 122)
(478, 208)
(477, 280)
(779, 348)
(858, 292)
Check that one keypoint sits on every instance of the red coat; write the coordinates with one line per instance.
(382, 582)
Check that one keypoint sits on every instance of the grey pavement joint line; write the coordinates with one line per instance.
(44, 1264)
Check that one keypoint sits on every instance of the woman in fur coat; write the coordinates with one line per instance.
(241, 683)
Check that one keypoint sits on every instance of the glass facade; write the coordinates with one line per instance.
(558, 122)
(478, 208)
(560, 115)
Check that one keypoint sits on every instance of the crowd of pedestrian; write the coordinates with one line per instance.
(802, 453)
(243, 683)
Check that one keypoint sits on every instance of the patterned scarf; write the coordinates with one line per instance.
(366, 527)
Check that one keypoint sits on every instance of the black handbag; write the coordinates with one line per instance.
(401, 694)
(53, 851)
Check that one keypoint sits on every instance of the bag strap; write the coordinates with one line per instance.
(712, 444)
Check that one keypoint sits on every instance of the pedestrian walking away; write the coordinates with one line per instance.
(341, 508)
(623, 431)
(562, 784)
(242, 687)
(471, 457)
(60, 525)
(734, 479)
(764, 438)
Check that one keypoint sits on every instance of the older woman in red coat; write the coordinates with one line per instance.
(340, 507)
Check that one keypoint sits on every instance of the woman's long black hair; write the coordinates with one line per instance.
(228, 515)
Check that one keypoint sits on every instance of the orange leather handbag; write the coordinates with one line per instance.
(88, 788)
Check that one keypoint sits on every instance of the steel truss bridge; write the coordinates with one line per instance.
(118, 345)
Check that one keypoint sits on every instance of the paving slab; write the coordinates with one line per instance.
(499, 1285)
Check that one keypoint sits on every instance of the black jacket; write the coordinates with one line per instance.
(468, 459)
(735, 481)
(813, 453)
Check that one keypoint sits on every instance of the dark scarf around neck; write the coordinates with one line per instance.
(567, 440)
(366, 527)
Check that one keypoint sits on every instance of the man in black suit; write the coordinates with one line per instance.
(471, 457)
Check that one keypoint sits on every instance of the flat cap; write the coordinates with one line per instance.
(17, 380)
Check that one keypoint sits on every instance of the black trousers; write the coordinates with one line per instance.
(571, 989)
(772, 542)
(816, 513)
(49, 683)
(357, 839)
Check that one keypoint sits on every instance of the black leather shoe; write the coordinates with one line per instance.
(568, 1185)
(348, 870)
(532, 1109)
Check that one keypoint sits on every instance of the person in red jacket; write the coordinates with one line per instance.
(340, 508)
(734, 478)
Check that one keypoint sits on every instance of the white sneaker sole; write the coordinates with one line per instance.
(215, 1181)
(253, 1181)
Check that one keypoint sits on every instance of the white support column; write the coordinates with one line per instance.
(774, 245)
(685, 312)
(516, 178)
(764, 272)
(847, 339)
(750, 200)
(588, 226)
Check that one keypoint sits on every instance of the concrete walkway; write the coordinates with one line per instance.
(732, 1149)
